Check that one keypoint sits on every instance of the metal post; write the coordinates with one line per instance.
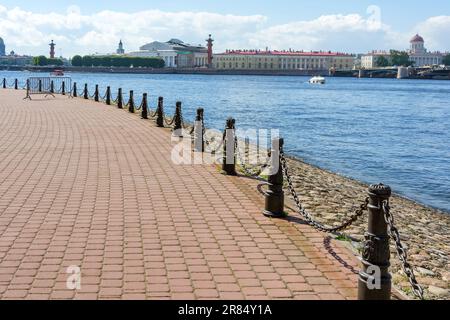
(108, 95)
(119, 99)
(52, 87)
(75, 93)
(63, 88)
(144, 106)
(16, 84)
(131, 102)
(229, 146)
(178, 121)
(4, 83)
(86, 94)
(374, 281)
(199, 144)
(28, 96)
(96, 93)
(274, 204)
(160, 113)
(40, 85)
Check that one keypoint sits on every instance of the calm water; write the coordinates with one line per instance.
(374, 130)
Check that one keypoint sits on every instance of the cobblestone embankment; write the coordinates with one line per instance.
(331, 198)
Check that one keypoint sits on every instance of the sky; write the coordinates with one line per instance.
(353, 26)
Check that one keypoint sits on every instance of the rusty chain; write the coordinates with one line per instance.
(402, 255)
(307, 216)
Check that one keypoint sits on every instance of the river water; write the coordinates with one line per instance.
(373, 130)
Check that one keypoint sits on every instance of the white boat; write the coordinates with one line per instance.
(317, 80)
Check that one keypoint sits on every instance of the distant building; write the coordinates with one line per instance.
(283, 60)
(2, 48)
(120, 49)
(175, 53)
(14, 59)
(370, 60)
(417, 53)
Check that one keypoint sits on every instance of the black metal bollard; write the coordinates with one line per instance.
(4, 83)
(75, 93)
(374, 281)
(96, 94)
(144, 106)
(40, 85)
(108, 96)
(16, 84)
(131, 102)
(199, 143)
(63, 88)
(229, 148)
(119, 99)
(160, 113)
(52, 87)
(28, 96)
(178, 121)
(274, 202)
(86, 93)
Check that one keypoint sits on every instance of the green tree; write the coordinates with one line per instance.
(400, 58)
(446, 60)
(382, 61)
(87, 61)
(77, 61)
(40, 61)
(119, 61)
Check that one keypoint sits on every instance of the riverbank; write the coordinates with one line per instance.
(331, 198)
(376, 74)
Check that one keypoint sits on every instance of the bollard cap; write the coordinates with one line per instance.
(380, 190)
(230, 123)
(160, 98)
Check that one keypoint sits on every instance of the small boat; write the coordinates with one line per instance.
(57, 73)
(317, 80)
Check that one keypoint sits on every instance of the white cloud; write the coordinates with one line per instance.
(78, 32)
(436, 32)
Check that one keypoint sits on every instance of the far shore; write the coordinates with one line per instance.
(205, 71)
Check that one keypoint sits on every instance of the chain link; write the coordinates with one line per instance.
(169, 123)
(244, 167)
(402, 255)
(358, 213)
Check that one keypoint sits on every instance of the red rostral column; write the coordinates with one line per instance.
(52, 49)
(210, 51)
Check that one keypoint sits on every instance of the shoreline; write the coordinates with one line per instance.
(362, 183)
(205, 71)
(331, 198)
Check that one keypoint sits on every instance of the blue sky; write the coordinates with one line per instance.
(347, 25)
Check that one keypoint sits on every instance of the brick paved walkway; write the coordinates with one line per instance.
(86, 184)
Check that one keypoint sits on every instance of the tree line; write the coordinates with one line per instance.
(117, 61)
(44, 61)
(401, 58)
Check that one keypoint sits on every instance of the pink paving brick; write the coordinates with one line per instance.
(88, 185)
